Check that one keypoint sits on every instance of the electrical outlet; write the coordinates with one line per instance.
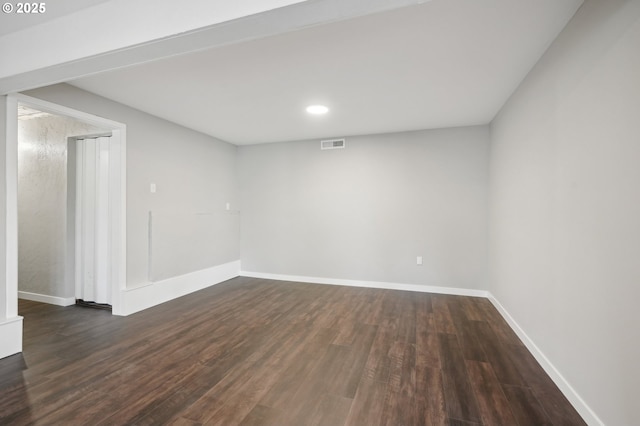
(419, 260)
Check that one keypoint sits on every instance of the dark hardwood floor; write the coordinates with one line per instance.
(258, 352)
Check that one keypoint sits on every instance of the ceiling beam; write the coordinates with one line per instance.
(111, 35)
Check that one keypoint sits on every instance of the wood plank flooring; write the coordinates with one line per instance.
(259, 352)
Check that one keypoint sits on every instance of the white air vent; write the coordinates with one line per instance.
(332, 144)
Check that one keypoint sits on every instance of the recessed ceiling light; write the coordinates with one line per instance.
(317, 109)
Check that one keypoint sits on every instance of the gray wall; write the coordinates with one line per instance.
(42, 203)
(195, 176)
(565, 206)
(365, 212)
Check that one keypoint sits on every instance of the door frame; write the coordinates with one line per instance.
(117, 195)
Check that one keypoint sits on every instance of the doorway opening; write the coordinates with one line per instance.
(69, 200)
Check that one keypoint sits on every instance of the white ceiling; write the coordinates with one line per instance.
(12, 22)
(443, 63)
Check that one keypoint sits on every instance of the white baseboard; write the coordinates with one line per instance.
(151, 294)
(368, 284)
(10, 336)
(574, 398)
(52, 300)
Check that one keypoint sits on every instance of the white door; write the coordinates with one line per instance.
(93, 281)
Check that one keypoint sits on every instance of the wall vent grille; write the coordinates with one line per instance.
(332, 144)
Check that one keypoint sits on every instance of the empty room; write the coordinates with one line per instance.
(320, 212)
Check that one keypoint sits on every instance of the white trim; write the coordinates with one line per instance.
(118, 197)
(77, 230)
(46, 106)
(10, 321)
(151, 294)
(11, 210)
(52, 300)
(369, 284)
(11, 336)
(118, 191)
(588, 415)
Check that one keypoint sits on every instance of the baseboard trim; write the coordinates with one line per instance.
(154, 293)
(368, 284)
(10, 336)
(565, 387)
(52, 300)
